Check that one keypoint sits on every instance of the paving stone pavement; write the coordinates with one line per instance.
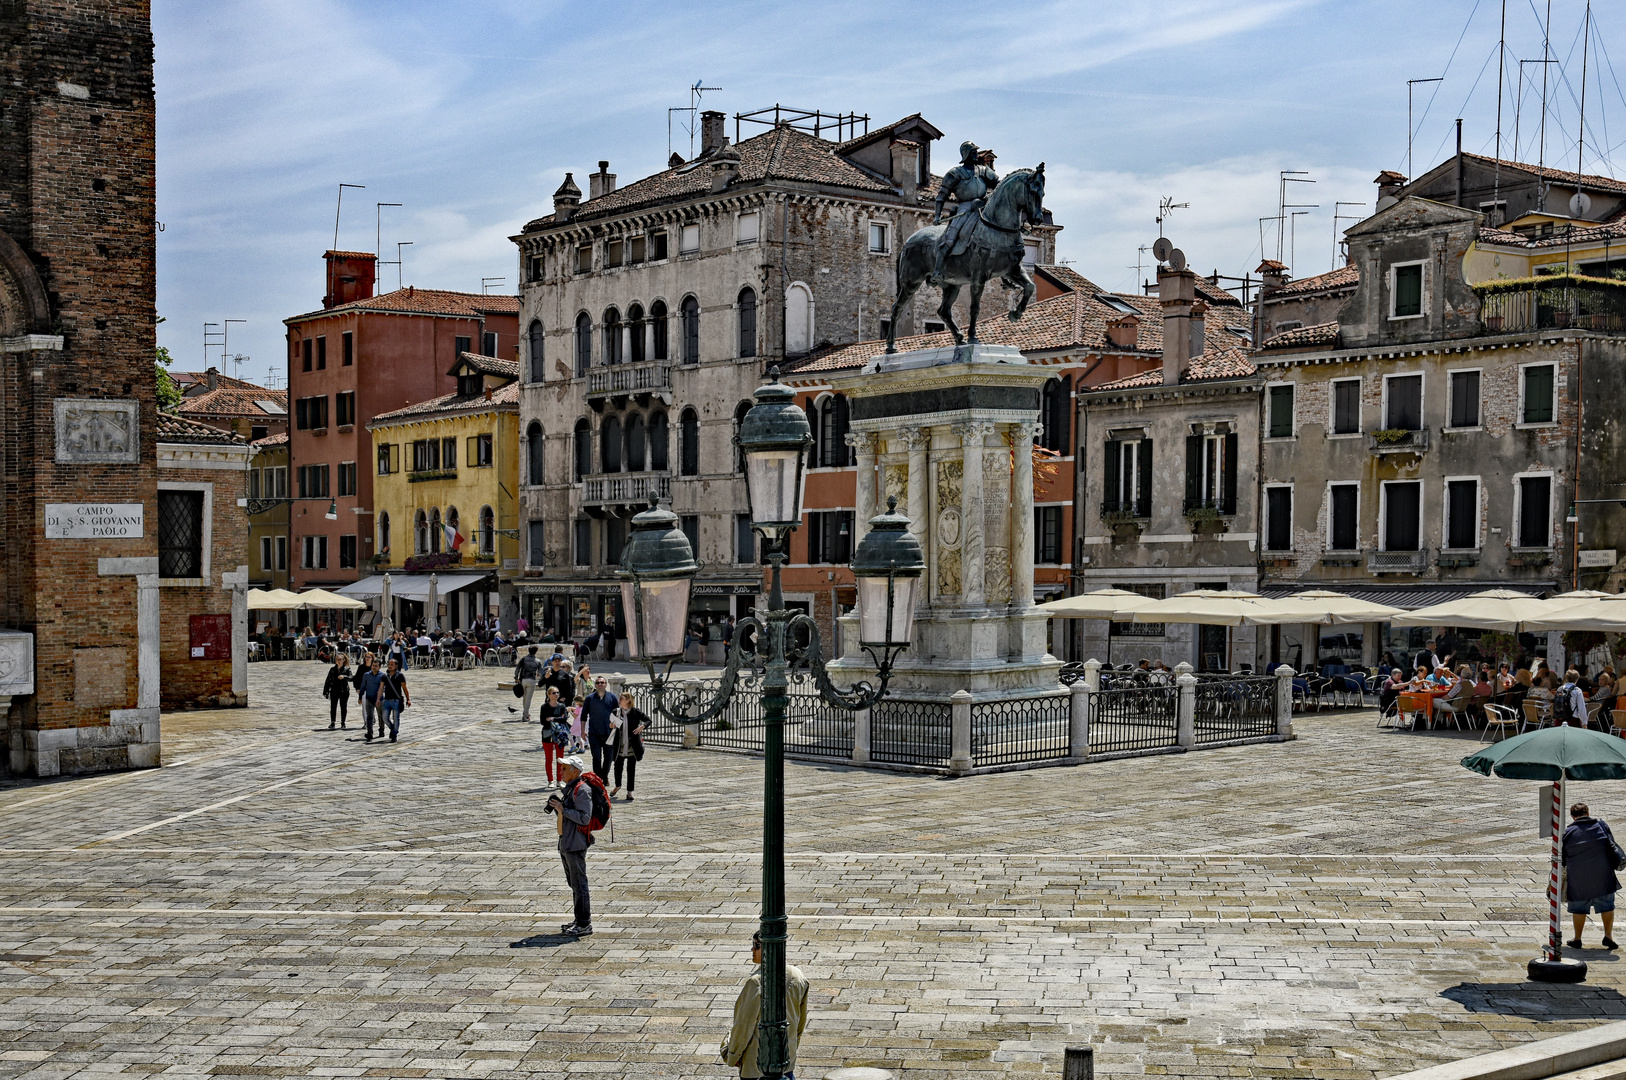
(285, 900)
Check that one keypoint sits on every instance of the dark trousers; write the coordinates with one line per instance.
(576, 877)
(632, 772)
(369, 709)
(336, 708)
(601, 756)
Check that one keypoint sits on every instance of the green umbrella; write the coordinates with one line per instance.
(1554, 754)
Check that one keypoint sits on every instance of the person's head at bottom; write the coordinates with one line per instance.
(756, 947)
(570, 768)
(1579, 811)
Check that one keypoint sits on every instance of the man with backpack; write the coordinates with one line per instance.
(1569, 703)
(582, 808)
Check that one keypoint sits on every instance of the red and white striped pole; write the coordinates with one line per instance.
(1554, 937)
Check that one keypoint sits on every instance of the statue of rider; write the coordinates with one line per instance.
(969, 182)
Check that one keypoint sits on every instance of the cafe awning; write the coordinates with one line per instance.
(408, 586)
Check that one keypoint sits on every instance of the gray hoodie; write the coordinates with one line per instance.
(577, 812)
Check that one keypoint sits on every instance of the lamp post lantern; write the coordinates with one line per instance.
(657, 569)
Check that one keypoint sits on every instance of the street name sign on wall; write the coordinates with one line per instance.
(95, 521)
(1598, 557)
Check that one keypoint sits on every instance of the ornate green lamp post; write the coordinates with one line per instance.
(657, 569)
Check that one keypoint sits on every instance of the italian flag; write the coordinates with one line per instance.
(454, 539)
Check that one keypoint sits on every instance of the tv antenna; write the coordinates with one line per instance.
(398, 272)
(487, 282)
(211, 337)
(378, 230)
(336, 210)
(1293, 231)
(1409, 130)
(1164, 206)
(1337, 216)
(1140, 262)
(693, 109)
(225, 333)
(1285, 177)
(1518, 106)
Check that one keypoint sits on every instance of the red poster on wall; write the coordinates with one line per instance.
(211, 637)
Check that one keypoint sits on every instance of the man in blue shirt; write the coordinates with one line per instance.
(369, 684)
(599, 708)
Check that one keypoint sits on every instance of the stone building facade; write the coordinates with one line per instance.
(79, 664)
(268, 514)
(651, 313)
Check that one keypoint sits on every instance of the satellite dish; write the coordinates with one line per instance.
(1161, 248)
(1177, 259)
(1580, 203)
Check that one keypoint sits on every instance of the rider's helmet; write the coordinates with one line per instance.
(968, 153)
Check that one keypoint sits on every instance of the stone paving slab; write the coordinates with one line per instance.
(282, 900)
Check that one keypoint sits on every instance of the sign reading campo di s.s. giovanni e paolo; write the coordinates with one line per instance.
(94, 521)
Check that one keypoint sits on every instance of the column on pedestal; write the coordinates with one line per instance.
(863, 444)
(1021, 517)
(916, 441)
(972, 540)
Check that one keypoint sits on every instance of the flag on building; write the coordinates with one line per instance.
(454, 539)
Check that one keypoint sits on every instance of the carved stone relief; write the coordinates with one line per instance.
(950, 477)
(895, 481)
(97, 431)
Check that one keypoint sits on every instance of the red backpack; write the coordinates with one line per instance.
(601, 801)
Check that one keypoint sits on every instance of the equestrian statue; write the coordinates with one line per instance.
(981, 241)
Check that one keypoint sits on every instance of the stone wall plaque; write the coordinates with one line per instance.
(95, 521)
(1598, 557)
(98, 431)
(16, 662)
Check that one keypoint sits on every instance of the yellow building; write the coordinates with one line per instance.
(445, 499)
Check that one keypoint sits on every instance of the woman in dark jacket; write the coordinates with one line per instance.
(337, 691)
(1590, 884)
(627, 743)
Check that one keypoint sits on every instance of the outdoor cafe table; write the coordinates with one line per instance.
(1421, 701)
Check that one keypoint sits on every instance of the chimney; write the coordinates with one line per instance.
(212, 378)
(711, 132)
(1389, 184)
(675, 161)
(566, 199)
(1199, 312)
(1175, 292)
(906, 167)
(349, 276)
(1274, 275)
(725, 168)
(1124, 332)
(602, 182)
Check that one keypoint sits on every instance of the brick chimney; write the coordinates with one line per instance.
(1199, 319)
(725, 168)
(349, 276)
(906, 166)
(1124, 332)
(211, 378)
(602, 182)
(711, 131)
(1176, 289)
(1273, 275)
(566, 199)
(1389, 184)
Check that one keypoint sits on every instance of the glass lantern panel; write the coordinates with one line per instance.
(666, 609)
(773, 478)
(872, 610)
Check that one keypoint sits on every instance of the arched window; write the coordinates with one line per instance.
(612, 337)
(689, 443)
(748, 322)
(583, 448)
(488, 531)
(635, 444)
(832, 432)
(435, 533)
(689, 316)
(739, 453)
(533, 454)
(658, 433)
(635, 334)
(657, 326)
(584, 344)
(798, 318)
(534, 337)
(383, 532)
(609, 445)
(1055, 412)
(420, 534)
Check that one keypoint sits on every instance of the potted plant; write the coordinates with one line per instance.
(1122, 522)
(1205, 519)
(1391, 436)
(1493, 324)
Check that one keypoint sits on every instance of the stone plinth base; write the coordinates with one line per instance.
(130, 741)
(991, 655)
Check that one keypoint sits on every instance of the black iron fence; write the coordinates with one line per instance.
(1137, 718)
(1021, 729)
(903, 732)
(812, 727)
(1555, 301)
(1235, 707)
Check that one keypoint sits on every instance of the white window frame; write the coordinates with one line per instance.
(1332, 410)
(754, 216)
(1520, 423)
(1129, 470)
(1518, 504)
(683, 238)
(1383, 512)
(1264, 538)
(1326, 539)
(204, 561)
(1213, 468)
(1445, 510)
(1452, 373)
(886, 236)
(1422, 395)
(1293, 418)
(1422, 288)
(1034, 248)
(308, 546)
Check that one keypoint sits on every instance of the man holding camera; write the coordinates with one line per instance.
(574, 810)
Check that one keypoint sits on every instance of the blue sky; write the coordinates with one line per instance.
(469, 114)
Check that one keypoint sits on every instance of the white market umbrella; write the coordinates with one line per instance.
(1210, 607)
(273, 600)
(386, 624)
(1100, 604)
(432, 603)
(1494, 609)
(321, 598)
(1606, 612)
(1323, 606)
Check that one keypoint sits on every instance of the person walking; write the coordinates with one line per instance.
(368, 683)
(393, 696)
(627, 743)
(1589, 856)
(337, 691)
(574, 808)
(555, 719)
(528, 672)
(598, 709)
(739, 1050)
(560, 678)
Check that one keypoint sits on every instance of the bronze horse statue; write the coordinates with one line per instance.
(994, 250)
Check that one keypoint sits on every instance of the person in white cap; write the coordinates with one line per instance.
(574, 808)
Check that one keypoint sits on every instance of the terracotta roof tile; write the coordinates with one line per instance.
(490, 365)
(348, 255)
(1218, 362)
(451, 405)
(1612, 229)
(1216, 296)
(178, 429)
(1585, 180)
(1066, 277)
(1320, 335)
(237, 401)
(414, 301)
(1345, 277)
(279, 439)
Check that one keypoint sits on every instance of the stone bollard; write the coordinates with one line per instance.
(1078, 731)
(691, 705)
(1185, 728)
(960, 733)
(861, 723)
(1284, 702)
(1092, 674)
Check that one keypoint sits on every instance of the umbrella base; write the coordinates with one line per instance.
(1557, 971)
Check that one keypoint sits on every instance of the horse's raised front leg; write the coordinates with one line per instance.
(1018, 279)
(976, 305)
(951, 293)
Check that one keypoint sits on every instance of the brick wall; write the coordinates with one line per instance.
(192, 683)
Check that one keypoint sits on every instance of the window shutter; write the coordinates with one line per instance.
(1109, 493)
(1194, 470)
(1229, 506)
(1143, 497)
(841, 453)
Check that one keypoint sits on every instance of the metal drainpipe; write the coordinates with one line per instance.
(1580, 410)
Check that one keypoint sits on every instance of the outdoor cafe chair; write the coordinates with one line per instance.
(1595, 715)
(1535, 715)
(1453, 709)
(1391, 715)
(1617, 719)
(1500, 718)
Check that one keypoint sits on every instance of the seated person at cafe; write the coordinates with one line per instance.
(1393, 684)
